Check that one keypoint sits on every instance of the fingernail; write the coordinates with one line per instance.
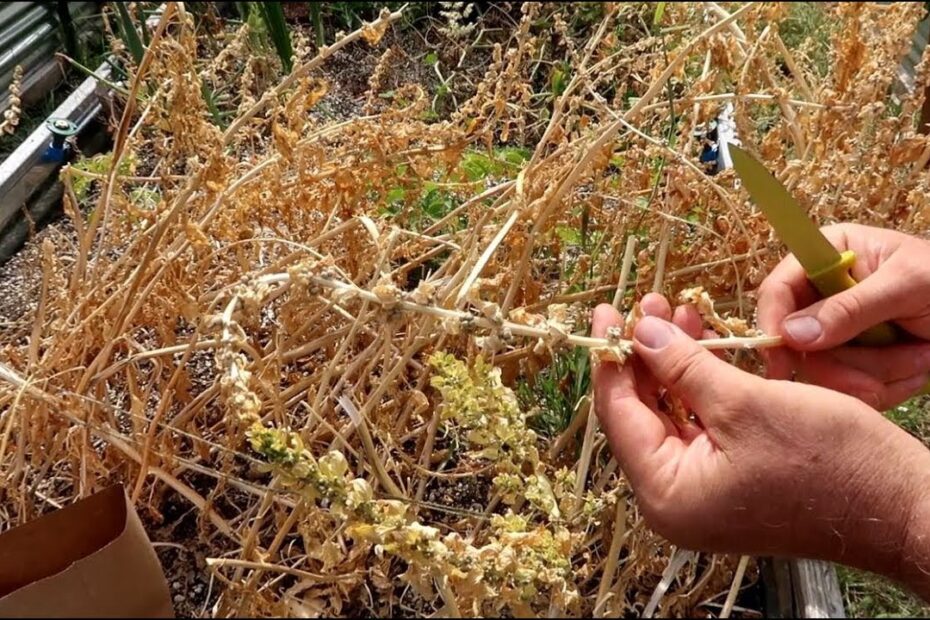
(653, 333)
(803, 329)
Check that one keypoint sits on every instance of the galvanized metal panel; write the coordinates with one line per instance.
(29, 37)
(15, 30)
(17, 39)
(11, 11)
(23, 171)
(908, 69)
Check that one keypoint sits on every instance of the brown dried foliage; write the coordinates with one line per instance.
(263, 277)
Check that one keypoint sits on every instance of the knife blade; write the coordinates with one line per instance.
(790, 221)
(827, 268)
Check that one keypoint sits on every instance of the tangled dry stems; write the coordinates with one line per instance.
(259, 325)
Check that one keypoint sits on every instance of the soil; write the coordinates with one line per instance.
(21, 279)
(193, 591)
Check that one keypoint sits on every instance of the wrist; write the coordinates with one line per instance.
(888, 532)
(913, 570)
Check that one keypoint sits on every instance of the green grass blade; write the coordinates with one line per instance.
(243, 9)
(140, 15)
(316, 16)
(273, 15)
(129, 34)
(659, 14)
(90, 73)
(209, 99)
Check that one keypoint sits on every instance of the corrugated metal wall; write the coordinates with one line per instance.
(30, 34)
(918, 45)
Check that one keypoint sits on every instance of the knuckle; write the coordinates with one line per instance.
(766, 290)
(916, 272)
(846, 307)
(921, 246)
(836, 232)
(687, 367)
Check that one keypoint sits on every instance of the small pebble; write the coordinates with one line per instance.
(179, 598)
(176, 585)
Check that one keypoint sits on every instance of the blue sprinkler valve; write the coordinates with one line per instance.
(715, 136)
(58, 151)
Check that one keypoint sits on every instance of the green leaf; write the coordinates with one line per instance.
(431, 59)
(514, 155)
(128, 33)
(477, 166)
(395, 194)
(568, 235)
(659, 14)
(273, 15)
(98, 165)
(558, 81)
(208, 98)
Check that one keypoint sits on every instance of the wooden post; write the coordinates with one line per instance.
(801, 589)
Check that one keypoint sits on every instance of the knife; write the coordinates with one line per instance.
(827, 268)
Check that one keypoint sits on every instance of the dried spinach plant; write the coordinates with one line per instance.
(263, 318)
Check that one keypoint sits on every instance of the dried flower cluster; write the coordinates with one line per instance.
(310, 326)
(12, 113)
(455, 13)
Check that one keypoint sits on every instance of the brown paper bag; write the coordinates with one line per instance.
(92, 558)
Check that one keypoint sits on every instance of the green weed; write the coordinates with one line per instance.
(809, 28)
(914, 417)
(273, 16)
(554, 393)
(480, 165)
(870, 596)
(98, 164)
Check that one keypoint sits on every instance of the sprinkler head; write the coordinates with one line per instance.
(60, 128)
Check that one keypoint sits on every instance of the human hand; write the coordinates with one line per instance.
(893, 270)
(765, 467)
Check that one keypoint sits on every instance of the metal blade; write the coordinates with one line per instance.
(786, 216)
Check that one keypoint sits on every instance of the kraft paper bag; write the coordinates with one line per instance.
(89, 559)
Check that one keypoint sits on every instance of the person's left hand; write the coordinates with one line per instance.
(763, 466)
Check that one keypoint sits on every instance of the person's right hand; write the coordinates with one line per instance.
(893, 270)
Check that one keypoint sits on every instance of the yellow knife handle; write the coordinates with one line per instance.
(835, 279)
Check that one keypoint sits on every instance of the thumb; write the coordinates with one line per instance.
(841, 317)
(685, 368)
